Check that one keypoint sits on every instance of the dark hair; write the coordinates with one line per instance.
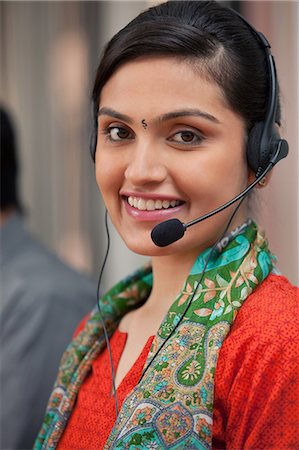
(8, 164)
(226, 49)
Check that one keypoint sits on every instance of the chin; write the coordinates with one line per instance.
(146, 247)
(151, 250)
(143, 249)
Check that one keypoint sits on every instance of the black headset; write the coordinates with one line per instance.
(264, 143)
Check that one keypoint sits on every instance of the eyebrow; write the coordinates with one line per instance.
(188, 112)
(112, 113)
(163, 118)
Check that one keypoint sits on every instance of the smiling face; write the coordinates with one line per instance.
(168, 146)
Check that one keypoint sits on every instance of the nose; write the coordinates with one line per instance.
(146, 165)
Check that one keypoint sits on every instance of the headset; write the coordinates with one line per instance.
(264, 142)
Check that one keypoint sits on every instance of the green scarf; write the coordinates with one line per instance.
(172, 405)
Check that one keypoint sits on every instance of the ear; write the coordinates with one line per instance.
(264, 181)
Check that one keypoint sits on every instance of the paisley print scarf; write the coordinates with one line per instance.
(172, 406)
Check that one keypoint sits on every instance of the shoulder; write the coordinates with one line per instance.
(264, 334)
(276, 287)
(267, 324)
(34, 268)
(38, 284)
(269, 312)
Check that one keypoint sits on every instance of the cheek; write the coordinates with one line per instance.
(109, 177)
(231, 169)
(216, 181)
(105, 175)
(99, 172)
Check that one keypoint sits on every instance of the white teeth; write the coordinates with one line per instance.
(151, 205)
(141, 204)
(158, 204)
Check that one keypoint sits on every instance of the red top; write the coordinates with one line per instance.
(90, 424)
(256, 382)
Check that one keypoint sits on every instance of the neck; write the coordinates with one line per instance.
(169, 275)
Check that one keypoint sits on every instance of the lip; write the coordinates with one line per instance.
(152, 216)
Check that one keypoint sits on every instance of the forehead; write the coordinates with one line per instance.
(161, 82)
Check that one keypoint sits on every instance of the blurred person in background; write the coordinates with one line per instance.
(42, 300)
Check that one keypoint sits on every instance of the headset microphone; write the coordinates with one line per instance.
(165, 233)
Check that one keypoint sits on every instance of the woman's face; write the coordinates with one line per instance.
(168, 147)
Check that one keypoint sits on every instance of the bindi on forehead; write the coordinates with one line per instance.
(144, 124)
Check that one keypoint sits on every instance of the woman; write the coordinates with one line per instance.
(198, 338)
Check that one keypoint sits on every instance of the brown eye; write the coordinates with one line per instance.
(187, 137)
(119, 133)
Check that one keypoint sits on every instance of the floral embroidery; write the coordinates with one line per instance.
(203, 428)
(192, 371)
(173, 424)
(141, 416)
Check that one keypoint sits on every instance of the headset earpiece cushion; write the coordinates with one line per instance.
(253, 146)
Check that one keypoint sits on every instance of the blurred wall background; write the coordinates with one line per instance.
(49, 54)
